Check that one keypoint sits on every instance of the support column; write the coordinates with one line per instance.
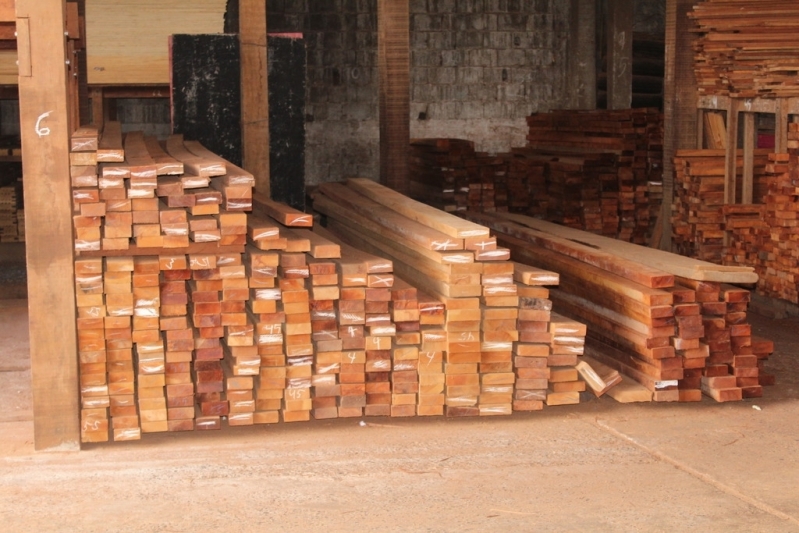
(394, 69)
(582, 55)
(45, 129)
(620, 53)
(254, 92)
(679, 102)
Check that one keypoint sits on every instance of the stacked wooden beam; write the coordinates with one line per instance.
(734, 55)
(634, 136)
(461, 266)
(668, 338)
(697, 220)
(532, 350)
(92, 355)
(133, 193)
(12, 220)
(438, 172)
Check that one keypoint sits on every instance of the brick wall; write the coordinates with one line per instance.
(478, 67)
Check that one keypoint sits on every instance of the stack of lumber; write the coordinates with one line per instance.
(735, 56)
(697, 219)
(531, 362)
(762, 235)
(490, 321)
(12, 220)
(674, 339)
(526, 184)
(438, 172)
(634, 136)
(138, 194)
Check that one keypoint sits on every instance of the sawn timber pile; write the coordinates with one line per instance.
(671, 323)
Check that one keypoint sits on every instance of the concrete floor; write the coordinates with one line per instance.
(599, 466)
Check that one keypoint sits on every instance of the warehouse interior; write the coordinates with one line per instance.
(492, 264)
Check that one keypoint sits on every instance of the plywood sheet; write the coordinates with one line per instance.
(128, 39)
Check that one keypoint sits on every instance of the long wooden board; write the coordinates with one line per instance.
(430, 216)
(615, 263)
(665, 261)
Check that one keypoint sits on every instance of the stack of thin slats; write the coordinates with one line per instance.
(747, 48)
(10, 216)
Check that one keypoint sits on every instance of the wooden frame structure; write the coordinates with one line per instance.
(781, 108)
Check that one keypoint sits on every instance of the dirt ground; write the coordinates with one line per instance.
(599, 466)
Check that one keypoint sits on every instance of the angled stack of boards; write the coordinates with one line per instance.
(697, 219)
(746, 49)
(502, 347)
(131, 192)
(672, 324)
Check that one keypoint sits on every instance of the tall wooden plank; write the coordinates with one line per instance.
(254, 92)
(620, 53)
(750, 142)
(679, 102)
(45, 128)
(393, 60)
(730, 165)
(781, 126)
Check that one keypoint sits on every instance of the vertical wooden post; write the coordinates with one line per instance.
(254, 92)
(44, 123)
(582, 54)
(781, 126)
(750, 141)
(394, 69)
(620, 53)
(679, 102)
(98, 107)
(731, 157)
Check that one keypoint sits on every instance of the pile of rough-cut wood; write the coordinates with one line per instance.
(746, 48)
(633, 136)
(669, 322)
(142, 194)
(12, 219)
(600, 171)
(763, 235)
(451, 175)
(697, 217)
(501, 346)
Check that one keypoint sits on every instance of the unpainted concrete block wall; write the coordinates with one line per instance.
(478, 68)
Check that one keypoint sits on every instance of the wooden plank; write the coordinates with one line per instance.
(664, 261)
(45, 141)
(750, 142)
(254, 92)
(627, 391)
(443, 222)
(7, 13)
(288, 216)
(612, 262)
(730, 169)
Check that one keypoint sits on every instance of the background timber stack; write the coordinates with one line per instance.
(735, 57)
(532, 350)
(438, 172)
(698, 220)
(667, 337)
